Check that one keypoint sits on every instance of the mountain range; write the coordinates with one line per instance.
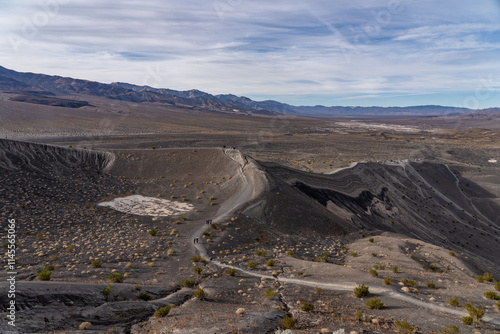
(61, 91)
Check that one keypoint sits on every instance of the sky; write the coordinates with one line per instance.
(311, 52)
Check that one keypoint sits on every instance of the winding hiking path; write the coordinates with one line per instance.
(245, 194)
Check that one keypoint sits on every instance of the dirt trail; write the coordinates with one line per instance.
(245, 194)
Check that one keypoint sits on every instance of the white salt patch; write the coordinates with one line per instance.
(493, 161)
(148, 206)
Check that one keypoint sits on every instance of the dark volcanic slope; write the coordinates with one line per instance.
(420, 200)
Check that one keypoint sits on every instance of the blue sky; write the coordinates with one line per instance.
(342, 52)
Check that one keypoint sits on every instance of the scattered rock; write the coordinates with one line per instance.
(240, 311)
(84, 326)
(405, 289)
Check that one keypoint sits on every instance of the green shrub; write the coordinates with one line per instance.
(318, 291)
(152, 232)
(361, 291)
(213, 225)
(451, 329)
(486, 277)
(287, 323)
(106, 291)
(116, 277)
(431, 285)
(387, 281)
(260, 252)
(373, 272)
(382, 266)
(354, 254)
(358, 316)
(188, 283)
(231, 272)
(200, 293)
(395, 269)
(454, 301)
(44, 275)
(371, 240)
(321, 259)
(270, 294)
(96, 263)
(197, 258)
(491, 295)
(307, 307)
(163, 312)
(403, 327)
(374, 254)
(467, 320)
(376, 267)
(136, 288)
(197, 270)
(498, 305)
(374, 304)
(252, 264)
(300, 273)
(452, 253)
(497, 286)
(50, 268)
(409, 282)
(476, 313)
(207, 234)
(270, 263)
(144, 296)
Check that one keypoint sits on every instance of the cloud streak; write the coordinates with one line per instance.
(356, 52)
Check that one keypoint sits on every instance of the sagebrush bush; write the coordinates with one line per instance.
(106, 291)
(403, 327)
(358, 316)
(188, 283)
(476, 313)
(307, 307)
(270, 294)
(395, 269)
(96, 263)
(361, 291)
(270, 263)
(116, 277)
(252, 264)
(198, 258)
(497, 286)
(231, 272)
(371, 240)
(491, 295)
(373, 272)
(163, 312)
(144, 296)
(200, 293)
(431, 285)
(468, 320)
(387, 281)
(374, 304)
(44, 275)
(287, 323)
(153, 232)
(451, 329)
(260, 252)
(454, 301)
(197, 270)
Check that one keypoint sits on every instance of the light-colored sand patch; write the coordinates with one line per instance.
(148, 206)
(492, 161)
(353, 125)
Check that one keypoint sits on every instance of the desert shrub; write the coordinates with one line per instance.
(188, 283)
(206, 234)
(403, 327)
(491, 295)
(290, 253)
(486, 277)
(300, 273)
(454, 301)
(183, 218)
(467, 320)
(358, 316)
(96, 263)
(431, 285)
(144, 296)
(452, 253)
(387, 281)
(213, 225)
(116, 277)
(451, 329)
(170, 252)
(231, 272)
(44, 275)
(137, 288)
(197, 258)
(382, 266)
(433, 266)
(211, 198)
(197, 270)
(70, 249)
(373, 272)
(498, 305)
(212, 204)
(252, 264)
(270, 263)
(497, 286)
(361, 291)
(323, 258)
(318, 291)
(200, 293)
(106, 291)
(287, 323)
(395, 269)
(354, 254)
(409, 282)
(49, 268)
(270, 294)
(376, 267)
(163, 312)
(371, 240)
(307, 307)
(152, 232)
(260, 252)
(374, 254)
(476, 313)
(374, 304)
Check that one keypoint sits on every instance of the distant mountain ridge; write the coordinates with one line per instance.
(31, 84)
